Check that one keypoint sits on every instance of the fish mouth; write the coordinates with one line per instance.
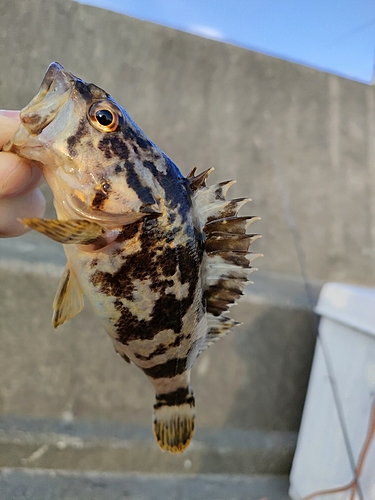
(54, 91)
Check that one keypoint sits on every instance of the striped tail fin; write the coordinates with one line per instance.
(174, 421)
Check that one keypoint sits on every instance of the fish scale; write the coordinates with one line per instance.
(160, 257)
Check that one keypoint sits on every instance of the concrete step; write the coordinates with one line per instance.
(106, 446)
(37, 484)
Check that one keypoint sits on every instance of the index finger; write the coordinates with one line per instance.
(10, 113)
(9, 123)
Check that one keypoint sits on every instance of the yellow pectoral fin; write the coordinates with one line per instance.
(69, 298)
(77, 231)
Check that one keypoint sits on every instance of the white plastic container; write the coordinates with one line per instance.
(347, 336)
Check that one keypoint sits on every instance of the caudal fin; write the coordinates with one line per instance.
(174, 424)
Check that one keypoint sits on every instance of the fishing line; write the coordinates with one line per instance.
(310, 300)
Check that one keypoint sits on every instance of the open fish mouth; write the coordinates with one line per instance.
(54, 91)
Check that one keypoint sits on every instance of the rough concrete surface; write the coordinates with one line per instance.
(81, 444)
(57, 485)
(298, 140)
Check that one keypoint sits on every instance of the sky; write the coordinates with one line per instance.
(337, 36)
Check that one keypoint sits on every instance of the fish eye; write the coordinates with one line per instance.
(104, 116)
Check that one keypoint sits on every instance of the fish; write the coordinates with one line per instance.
(160, 257)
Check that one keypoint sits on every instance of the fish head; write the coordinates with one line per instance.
(83, 141)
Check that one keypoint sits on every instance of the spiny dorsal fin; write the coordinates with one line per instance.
(227, 258)
(191, 173)
(229, 242)
(236, 225)
(198, 181)
(212, 205)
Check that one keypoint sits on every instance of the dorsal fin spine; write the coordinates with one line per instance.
(198, 182)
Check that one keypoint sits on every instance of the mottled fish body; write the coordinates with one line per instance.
(159, 256)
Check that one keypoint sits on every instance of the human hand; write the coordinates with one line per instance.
(19, 180)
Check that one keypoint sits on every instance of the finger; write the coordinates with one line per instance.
(17, 175)
(31, 204)
(10, 113)
(8, 127)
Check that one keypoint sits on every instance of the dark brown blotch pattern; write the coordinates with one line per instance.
(75, 140)
(113, 145)
(169, 369)
(157, 262)
(98, 200)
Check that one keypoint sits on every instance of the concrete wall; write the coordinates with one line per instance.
(284, 131)
(298, 141)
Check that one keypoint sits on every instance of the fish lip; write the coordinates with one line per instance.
(55, 89)
(51, 73)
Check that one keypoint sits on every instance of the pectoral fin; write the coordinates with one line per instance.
(69, 298)
(77, 231)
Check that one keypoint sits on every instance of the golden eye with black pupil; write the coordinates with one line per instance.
(104, 116)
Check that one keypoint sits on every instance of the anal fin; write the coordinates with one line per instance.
(68, 299)
(72, 231)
